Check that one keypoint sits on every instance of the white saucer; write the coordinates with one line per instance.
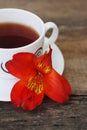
(57, 59)
(58, 65)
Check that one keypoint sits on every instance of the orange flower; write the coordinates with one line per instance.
(36, 78)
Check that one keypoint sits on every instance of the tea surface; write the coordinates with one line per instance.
(14, 35)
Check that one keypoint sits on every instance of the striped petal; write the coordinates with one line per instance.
(21, 66)
(56, 87)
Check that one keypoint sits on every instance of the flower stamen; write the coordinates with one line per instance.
(47, 69)
(35, 86)
(40, 65)
(39, 88)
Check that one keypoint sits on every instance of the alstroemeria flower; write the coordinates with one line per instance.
(36, 79)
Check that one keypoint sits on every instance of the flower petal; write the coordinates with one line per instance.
(33, 101)
(24, 58)
(23, 97)
(66, 85)
(16, 93)
(43, 61)
(21, 65)
(56, 87)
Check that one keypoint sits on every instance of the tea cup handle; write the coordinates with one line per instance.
(53, 37)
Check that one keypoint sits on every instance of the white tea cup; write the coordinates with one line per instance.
(23, 17)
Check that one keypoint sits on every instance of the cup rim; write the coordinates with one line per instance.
(33, 14)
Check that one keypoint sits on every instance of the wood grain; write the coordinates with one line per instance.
(71, 18)
(74, 48)
(49, 116)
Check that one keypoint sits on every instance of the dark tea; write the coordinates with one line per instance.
(14, 35)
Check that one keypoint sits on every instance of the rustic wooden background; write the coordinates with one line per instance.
(71, 18)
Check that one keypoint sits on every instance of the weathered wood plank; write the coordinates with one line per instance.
(49, 116)
(73, 44)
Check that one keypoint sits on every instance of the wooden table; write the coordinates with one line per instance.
(71, 17)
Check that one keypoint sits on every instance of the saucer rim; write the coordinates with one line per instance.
(62, 61)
